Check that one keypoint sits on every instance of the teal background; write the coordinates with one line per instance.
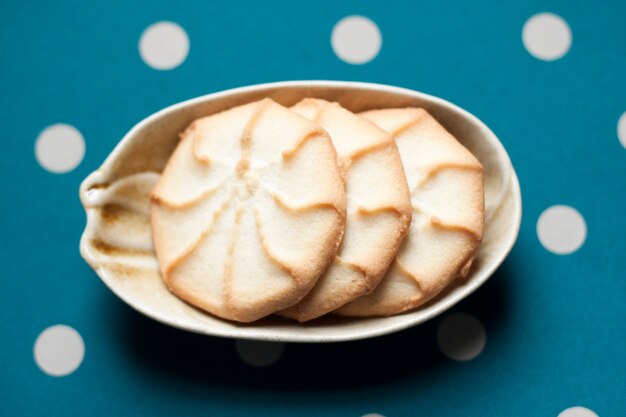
(556, 336)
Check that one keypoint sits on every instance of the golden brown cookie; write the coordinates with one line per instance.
(249, 211)
(378, 208)
(447, 197)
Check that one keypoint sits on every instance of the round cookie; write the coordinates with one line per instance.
(378, 209)
(447, 197)
(249, 211)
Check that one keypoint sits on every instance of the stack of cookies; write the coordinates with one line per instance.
(312, 210)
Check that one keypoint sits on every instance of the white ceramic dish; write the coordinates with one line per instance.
(117, 241)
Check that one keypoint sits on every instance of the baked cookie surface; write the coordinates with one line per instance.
(447, 198)
(378, 208)
(249, 211)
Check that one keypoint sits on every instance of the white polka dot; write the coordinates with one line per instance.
(461, 337)
(547, 36)
(577, 412)
(59, 350)
(356, 39)
(60, 148)
(621, 129)
(561, 229)
(258, 353)
(164, 45)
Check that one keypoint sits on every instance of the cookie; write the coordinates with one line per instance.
(249, 211)
(378, 208)
(447, 198)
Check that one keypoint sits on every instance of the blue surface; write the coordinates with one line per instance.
(555, 324)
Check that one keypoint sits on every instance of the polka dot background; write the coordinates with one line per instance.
(546, 330)
(164, 45)
(547, 36)
(59, 350)
(59, 148)
(356, 39)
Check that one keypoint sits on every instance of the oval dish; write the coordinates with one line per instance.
(117, 241)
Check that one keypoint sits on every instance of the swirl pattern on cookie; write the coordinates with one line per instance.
(249, 211)
(447, 199)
